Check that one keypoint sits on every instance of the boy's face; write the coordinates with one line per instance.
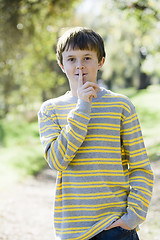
(84, 60)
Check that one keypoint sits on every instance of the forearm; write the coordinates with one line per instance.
(140, 173)
(62, 147)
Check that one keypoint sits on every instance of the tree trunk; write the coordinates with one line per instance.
(144, 79)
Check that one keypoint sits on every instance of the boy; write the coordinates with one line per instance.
(92, 137)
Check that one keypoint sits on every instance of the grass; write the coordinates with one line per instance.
(148, 109)
(21, 152)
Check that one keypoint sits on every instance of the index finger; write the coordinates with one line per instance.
(80, 79)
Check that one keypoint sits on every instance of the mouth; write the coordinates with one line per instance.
(83, 75)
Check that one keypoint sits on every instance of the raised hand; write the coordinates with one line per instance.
(87, 90)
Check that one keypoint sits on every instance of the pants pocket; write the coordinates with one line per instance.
(125, 230)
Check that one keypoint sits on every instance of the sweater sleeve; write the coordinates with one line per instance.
(140, 173)
(61, 144)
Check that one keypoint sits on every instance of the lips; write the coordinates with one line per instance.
(84, 74)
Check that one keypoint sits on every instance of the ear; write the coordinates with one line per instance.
(100, 64)
(61, 66)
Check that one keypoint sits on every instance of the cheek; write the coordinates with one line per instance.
(94, 65)
(67, 69)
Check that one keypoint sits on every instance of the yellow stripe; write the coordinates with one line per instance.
(138, 154)
(143, 190)
(97, 159)
(127, 133)
(94, 206)
(109, 128)
(75, 228)
(66, 105)
(140, 165)
(143, 170)
(103, 124)
(90, 163)
(136, 151)
(104, 151)
(142, 178)
(86, 171)
(81, 217)
(77, 231)
(83, 116)
(76, 136)
(149, 184)
(49, 141)
(109, 136)
(137, 213)
(101, 139)
(110, 106)
(56, 167)
(132, 144)
(77, 125)
(111, 103)
(51, 135)
(131, 116)
(114, 96)
(94, 198)
(47, 127)
(101, 116)
(94, 186)
(131, 120)
(45, 119)
(61, 115)
(133, 140)
(89, 194)
(90, 184)
(61, 149)
(80, 220)
(100, 147)
(107, 113)
(140, 197)
(95, 174)
(130, 129)
(133, 197)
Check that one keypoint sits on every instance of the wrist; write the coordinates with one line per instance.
(83, 106)
(120, 223)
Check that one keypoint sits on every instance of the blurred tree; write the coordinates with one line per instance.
(147, 14)
(130, 30)
(28, 68)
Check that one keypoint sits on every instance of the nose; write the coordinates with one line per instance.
(80, 65)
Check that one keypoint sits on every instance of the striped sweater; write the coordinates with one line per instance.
(103, 170)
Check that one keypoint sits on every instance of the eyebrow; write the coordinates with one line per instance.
(87, 54)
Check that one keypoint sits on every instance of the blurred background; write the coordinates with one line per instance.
(29, 75)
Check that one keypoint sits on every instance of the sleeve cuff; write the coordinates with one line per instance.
(131, 221)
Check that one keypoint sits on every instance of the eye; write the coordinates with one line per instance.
(87, 58)
(71, 59)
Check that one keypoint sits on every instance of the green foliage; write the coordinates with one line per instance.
(21, 151)
(129, 28)
(148, 109)
(28, 69)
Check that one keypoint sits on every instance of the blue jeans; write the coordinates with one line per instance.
(117, 233)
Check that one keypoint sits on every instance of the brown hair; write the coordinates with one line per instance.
(80, 38)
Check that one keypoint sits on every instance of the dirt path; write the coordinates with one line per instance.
(26, 210)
